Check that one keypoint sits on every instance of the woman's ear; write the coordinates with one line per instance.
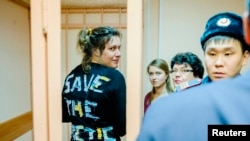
(96, 52)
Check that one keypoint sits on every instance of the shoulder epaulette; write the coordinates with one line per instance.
(186, 85)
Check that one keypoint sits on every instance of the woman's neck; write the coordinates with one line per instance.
(160, 90)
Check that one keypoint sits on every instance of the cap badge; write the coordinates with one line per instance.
(223, 22)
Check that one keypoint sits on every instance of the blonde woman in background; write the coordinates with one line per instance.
(160, 80)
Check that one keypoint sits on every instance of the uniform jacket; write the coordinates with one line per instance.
(189, 84)
(186, 115)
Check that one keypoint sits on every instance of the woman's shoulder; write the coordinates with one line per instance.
(104, 68)
(147, 95)
(114, 72)
(189, 84)
(111, 73)
(147, 98)
(76, 69)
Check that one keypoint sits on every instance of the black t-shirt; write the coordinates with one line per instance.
(95, 103)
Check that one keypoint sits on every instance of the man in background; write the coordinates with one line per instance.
(225, 49)
(187, 116)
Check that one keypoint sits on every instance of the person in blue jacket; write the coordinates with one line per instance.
(188, 115)
(224, 47)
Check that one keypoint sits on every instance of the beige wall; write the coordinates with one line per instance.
(15, 62)
(186, 20)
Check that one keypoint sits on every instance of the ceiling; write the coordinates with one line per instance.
(83, 3)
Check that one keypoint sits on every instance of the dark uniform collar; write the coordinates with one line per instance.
(207, 80)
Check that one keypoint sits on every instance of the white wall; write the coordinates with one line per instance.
(15, 62)
(186, 19)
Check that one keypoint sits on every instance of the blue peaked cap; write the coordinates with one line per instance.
(225, 23)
